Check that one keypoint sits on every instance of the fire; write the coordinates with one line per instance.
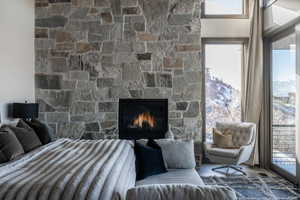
(144, 118)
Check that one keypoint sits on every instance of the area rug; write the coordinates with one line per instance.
(250, 188)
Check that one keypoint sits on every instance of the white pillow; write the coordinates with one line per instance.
(178, 154)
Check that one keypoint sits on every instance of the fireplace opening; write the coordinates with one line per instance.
(143, 118)
(143, 121)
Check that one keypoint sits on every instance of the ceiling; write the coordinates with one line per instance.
(293, 5)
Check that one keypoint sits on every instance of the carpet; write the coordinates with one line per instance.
(250, 188)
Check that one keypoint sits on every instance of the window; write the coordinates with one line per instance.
(284, 93)
(223, 63)
(225, 8)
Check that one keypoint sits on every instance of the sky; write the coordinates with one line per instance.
(223, 6)
(225, 62)
(284, 65)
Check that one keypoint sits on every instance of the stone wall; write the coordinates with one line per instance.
(90, 53)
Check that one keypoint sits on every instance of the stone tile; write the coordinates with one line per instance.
(193, 76)
(108, 124)
(173, 62)
(79, 13)
(108, 47)
(175, 115)
(193, 110)
(105, 82)
(131, 73)
(183, 19)
(127, 3)
(44, 106)
(182, 48)
(106, 17)
(176, 122)
(108, 107)
(182, 7)
(94, 127)
(58, 65)
(116, 7)
(70, 130)
(149, 79)
(130, 11)
(65, 46)
(43, 81)
(57, 99)
(102, 3)
(79, 75)
(144, 56)
(59, 1)
(82, 108)
(41, 33)
(58, 53)
(57, 117)
(152, 93)
(88, 118)
(44, 44)
(182, 106)
(144, 36)
(164, 80)
(111, 116)
(82, 3)
(51, 22)
(82, 47)
(136, 93)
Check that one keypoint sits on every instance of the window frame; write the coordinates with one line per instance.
(216, 41)
(268, 76)
(244, 15)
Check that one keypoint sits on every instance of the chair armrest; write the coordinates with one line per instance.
(245, 153)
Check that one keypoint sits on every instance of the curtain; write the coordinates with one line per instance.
(252, 74)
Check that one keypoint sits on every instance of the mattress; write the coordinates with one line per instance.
(71, 169)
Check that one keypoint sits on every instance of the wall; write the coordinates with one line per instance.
(280, 13)
(16, 53)
(225, 28)
(90, 53)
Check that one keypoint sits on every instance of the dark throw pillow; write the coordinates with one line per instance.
(149, 161)
(3, 158)
(26, 136)
(42, 131)
(10, 146)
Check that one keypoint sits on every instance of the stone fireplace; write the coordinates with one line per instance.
(143, 118)
(91, 53)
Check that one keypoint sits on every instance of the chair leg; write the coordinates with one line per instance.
(234, 167)
(221, 167)
(239, 169)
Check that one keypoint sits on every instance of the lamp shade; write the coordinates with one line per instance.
(25, 110)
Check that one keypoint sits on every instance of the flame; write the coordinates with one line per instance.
(144, 118)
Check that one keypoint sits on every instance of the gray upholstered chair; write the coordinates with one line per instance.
(244, 136)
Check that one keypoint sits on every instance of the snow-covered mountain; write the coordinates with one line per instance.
(283, 88)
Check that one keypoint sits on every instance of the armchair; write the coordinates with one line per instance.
(244, 136)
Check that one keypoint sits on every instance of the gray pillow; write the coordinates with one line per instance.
(26, 136)
(178, 154)
(10, 146)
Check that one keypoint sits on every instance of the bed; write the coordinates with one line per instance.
(71, 169)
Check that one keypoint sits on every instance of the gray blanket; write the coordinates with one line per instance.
(180, 192)
(71, 169)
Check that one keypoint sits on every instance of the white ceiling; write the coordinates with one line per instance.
(293, 5)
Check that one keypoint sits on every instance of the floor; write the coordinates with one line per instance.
(287, 166)
(206, 170)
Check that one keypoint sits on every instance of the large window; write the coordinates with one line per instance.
(284, 92)
(223, 64)
(223, 8)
